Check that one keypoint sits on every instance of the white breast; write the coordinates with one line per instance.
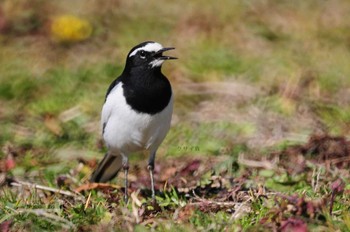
(128, 131)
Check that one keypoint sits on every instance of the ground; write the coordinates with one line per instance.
(260, 133)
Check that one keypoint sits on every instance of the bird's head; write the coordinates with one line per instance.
(148, 54)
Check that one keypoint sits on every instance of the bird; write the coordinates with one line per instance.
(136, 113)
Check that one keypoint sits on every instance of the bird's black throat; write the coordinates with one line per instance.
(146, 90)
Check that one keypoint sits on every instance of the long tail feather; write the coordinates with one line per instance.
(107, 169)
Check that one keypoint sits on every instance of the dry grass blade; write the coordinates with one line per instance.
(46, 214)
(87, 202)
(135, 205)
(241, 210)
(315, 179)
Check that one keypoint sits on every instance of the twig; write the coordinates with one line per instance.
(219, 203)
(45, 188)
(339, 160)
(238, 207)
(256, 164)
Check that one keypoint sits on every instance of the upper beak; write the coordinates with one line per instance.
(159, 54)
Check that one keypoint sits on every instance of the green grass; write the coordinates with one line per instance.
(294, 55)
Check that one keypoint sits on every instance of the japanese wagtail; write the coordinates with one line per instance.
(136, 113)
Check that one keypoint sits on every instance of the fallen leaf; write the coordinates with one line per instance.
(293, 225)
(53, 124)
(185, 213)
(91, 186)
(10, 162)
(5, 226)
(338, 186)
(190, 168)
(168, 173)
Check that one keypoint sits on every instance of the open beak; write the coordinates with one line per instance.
(159, 54)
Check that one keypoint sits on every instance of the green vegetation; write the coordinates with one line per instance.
(263, 146)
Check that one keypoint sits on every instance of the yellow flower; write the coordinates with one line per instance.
(68, 28)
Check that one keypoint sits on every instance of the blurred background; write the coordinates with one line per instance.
(251, 75)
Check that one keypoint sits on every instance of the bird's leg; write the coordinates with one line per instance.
(151, 168)
(126, 171)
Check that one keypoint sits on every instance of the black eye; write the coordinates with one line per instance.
(142, 54)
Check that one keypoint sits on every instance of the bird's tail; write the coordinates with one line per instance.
(107, 169)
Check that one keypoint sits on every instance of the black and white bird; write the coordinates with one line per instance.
(136, 113)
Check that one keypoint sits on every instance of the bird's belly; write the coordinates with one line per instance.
(129, 131)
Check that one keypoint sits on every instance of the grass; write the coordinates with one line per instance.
(289, 61)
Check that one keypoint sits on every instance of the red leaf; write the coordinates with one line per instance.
(10, 163)
(5, 226)
(293, 225)
(338, 186)
(190, 168)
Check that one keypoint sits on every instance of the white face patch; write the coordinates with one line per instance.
(156, 63)
(150, 47)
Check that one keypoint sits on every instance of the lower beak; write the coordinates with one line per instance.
(159, 54)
